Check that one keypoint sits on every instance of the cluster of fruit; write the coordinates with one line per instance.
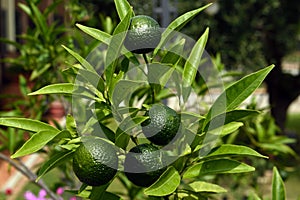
(96, 161)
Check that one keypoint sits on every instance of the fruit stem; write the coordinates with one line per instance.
(151, 84)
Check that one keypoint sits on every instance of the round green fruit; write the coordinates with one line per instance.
(143, 35)
(143, 165)
(162, 125)
(95, 161)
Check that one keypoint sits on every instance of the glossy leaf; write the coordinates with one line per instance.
(226, 129)
(80, 59)
(278, 189)
(193, 61)
(27, 124)
(177, 24)
(66, 89)
(231, 116)
(234, 150)
(106, 38)
(166, 184)
(59, 88)
(35, 143)
(213, 135)
(115, 46)
(218, 166)
(202, 186)
(96, 33)
(238, 92)
(123, 7)
(54, 161)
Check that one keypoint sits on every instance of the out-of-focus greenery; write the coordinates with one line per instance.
(242, 30)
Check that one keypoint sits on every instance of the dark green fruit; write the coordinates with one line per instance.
(162, 125)
(143, 165)
(143, 35)
(95, 161)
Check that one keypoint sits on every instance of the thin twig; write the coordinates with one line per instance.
(29, 174)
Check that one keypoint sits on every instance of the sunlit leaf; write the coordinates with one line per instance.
(218, 166)
(123, 7)
(177, 24)
(96, 33)
(166, 184)
(202, 186)
(238, 92)
(193, 61)
(27, 124)
(233, 150)
(35, 143)
(278, 188)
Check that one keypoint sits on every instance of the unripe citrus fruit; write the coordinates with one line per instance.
(143, 165)
(162, 125)
(143, 34)
(95, 161)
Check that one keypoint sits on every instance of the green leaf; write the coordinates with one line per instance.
(89, 78)
(176, 25)
(278, 189)
(36, 142)
(174, 54)
(166, 184)
(80, 59)
(202, 186)
(71, 126)
(59, 88)
(66, 89)
(233, 150)
(228, 117)
(38, 18)
(192, 63)
(218, 166)
(27, 124)
(95, 33)
(226, 129)
(123, 7)
(106, 39)
(38, 72)
(123, 91)
(235, 94)
(54, 161)
(115, 46)
(98, 192)
(25, 8)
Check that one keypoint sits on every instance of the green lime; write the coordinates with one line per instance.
(143, 165)
(162, 125)
(95, 161)
(143, 35)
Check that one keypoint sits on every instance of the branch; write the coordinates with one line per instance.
(19, 165)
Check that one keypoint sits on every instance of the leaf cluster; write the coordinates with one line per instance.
(199, 152)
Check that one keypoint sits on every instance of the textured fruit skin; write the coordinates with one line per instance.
(143, 35)
(95, 161)
(147, 160)
(162, 125)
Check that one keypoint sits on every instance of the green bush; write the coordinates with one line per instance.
(110, 101)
